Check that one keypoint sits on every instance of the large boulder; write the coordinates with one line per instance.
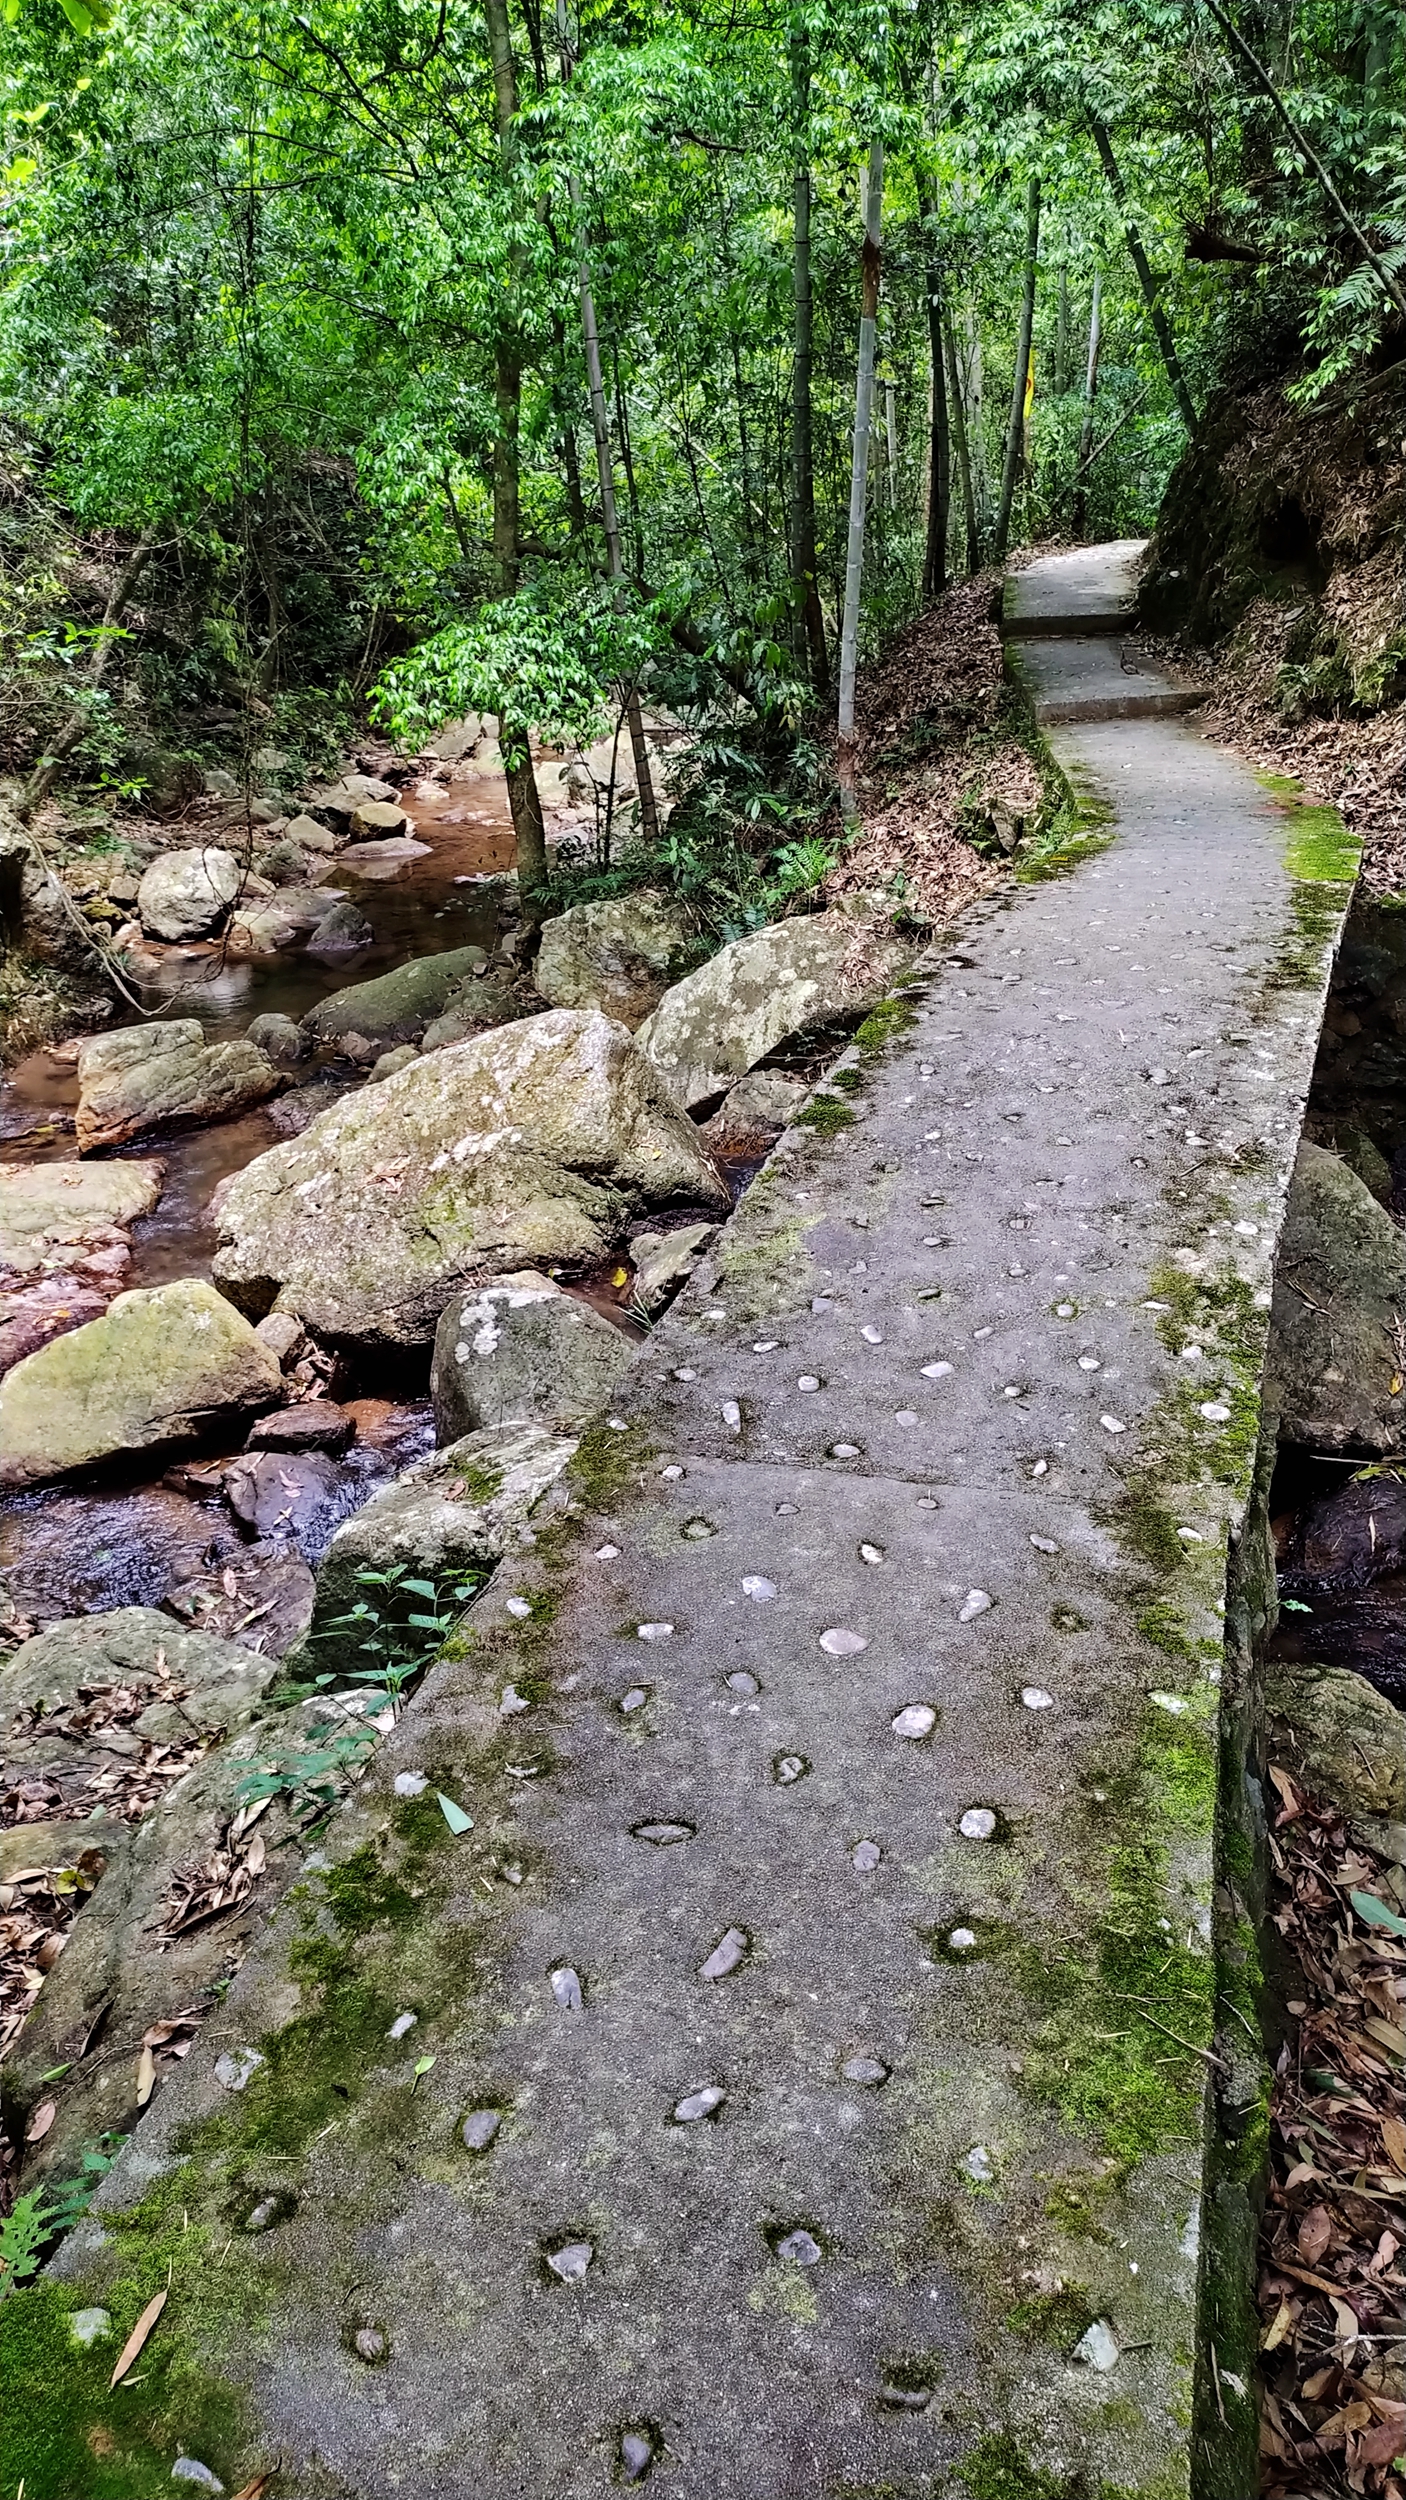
(187, 894)
(455, 1511)
(154, 1370)
(758, 992)
(48, 1210)
(148, 1076)
(1336, 1374)
(619, 955)
(1346, 1740)
(533, 1145)
(522, 1351)
(396, 1006)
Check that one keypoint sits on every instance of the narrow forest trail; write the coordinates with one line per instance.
(847, 2013)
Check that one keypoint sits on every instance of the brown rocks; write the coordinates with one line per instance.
(150, 1075)
(321, 1426)
(619, 955)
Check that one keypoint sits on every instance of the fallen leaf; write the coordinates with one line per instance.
(1394, 2138)
(41, 2122)
(256, 1854)
(422, 2067)
(1283, 2325)
(138, 2336)
(1293, 1802)
(1384, 2443)
(454, 1816)
(1374, 1913)
(254, 2490)
(146, 2076)
(1315, 2231)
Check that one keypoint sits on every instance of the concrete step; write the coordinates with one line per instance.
(1096, 679)
(1086, 590)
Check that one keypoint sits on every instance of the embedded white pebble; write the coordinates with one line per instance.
(871, 1553)
(978, 1823)
(566, 1988)
(1044, 1545)
(512, 1702)
(731, 1414)
(1011, 1390)
(865, 1856)
(699, 2104)
(1175, 1703)
(1089, 1363)
(479, 2129)
(402, 2024)
(844, 1449)
(758, 1589)
(914, 1722)
(867, 2070)
(1214, 1412)
(1041, 1467)
(1035, 1697)
(1191, 1536)
(671, 1475)
(1190, 1354)
(1249, 1230)
(978, 2165)
(766, 1345)
(807, 1382)
(821, 1302)
(570, 2263)
(636, 2457)
(839, 1642)
(518, 1606)
(607, 1553)
(799, 2249)
(906, 1416)
(682, 1371)
(790, 1767)
(979, 1333)
(726, 1954)
(653, 1631)
(663, 1835)
(932, 1241)
(741, 1682)
(976, 1602)
(635, 1699)
(872, 1336)
(937, 1371)
(1064, 1310)
(961, 1940)
(614, 1424)
(1111, 1423)
(697, 1529)
(410, 1783)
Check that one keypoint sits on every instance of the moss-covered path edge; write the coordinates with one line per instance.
(836, 2033)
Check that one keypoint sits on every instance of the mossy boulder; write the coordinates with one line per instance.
(535, 1144)
(619, 955)
(1336, 1373)
(1345, 1740)
(762, 990)
(522, 1351)
(154, 1371)
(395, 1007)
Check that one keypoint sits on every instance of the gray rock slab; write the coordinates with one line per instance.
(520, 1350)
(867, 1671)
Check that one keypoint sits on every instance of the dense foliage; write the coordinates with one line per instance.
(300, 297)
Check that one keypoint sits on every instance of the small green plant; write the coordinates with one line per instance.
(42, 2215)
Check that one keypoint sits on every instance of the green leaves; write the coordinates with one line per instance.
(1374, 1913)
(459, 1822)
(538, 661)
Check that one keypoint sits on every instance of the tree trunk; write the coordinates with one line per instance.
(524, 798)
(1061, 354)
(80, 719)
(1150, 284)
(957, 406)
(1086, 430)
(871, 266)
(802, 366)
(1015, 432)
(940, 427)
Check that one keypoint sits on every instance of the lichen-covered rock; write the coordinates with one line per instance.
(136, 1649)
(665, 1261)
(1336, 1374)
(533, 1145)
(187, 894)
(454, 1511)
(377, 820)
(396, 1006)
(47, 1209)
(755, 1112)
(619, 955)
(153, 1371)
(756, 993)
(342, 930)
(148, 1076)
(1344, 1739)
(522, 1351)
(279, 1039)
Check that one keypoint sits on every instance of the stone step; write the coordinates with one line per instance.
(1087, 590)
(1096, 679)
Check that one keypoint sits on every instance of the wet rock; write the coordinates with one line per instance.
(391, 1062)
(377, 820)
(665, 1261)
(755, 1112)
(533, 1144)
(1343, 1739)
(343, 930)
(187, 894)
(459, 1508)
(285, 1493)
(396, 1006)
(279, 1039)
(262, 1600)
(619, 955)
(1353, 1537)
(321, 1426)
(522, 1351)
(155, 1370)
(1334, 1347)
(150, 1075)
(711, 1028)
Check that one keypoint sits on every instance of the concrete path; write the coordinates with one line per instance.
(822, 2005)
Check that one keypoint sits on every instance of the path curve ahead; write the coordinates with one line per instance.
(915, 1545)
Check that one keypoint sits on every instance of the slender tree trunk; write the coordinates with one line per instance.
(605, 471)
(524, 798)
(802, 367)
(1015, 432)
(1150, 284)
(1061, 356)
(891, 438)
(1086, 430)
(80, 719)
(959, 436)
(871, 267)
(940, 424)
